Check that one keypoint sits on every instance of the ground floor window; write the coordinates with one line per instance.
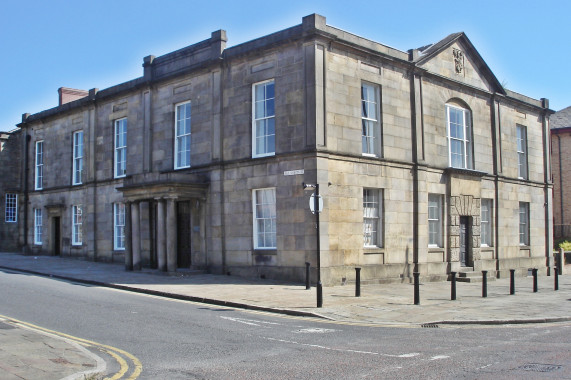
(264, 205)
(486, 223)
(372, 217)
(11, 210)
(119, 226)
(38, 226)
(434, 220)
(77, 222)
(523, 223)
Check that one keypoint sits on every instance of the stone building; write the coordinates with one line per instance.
(561, 154)
(424, 161)
(11, 191)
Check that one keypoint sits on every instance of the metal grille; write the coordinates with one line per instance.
(540, 367)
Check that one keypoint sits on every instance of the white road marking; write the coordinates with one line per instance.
(314, 330)
(250, 322)
(438, 357)
(341, 350)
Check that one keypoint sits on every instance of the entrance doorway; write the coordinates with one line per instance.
(183, 235)
(464, 240)
(56, 236)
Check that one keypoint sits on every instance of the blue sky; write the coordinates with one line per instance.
(97, 44)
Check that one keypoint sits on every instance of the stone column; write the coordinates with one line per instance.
(171, 235)
(136, 235)
(161, 236)
(128, 234)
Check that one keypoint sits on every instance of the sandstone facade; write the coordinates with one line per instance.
(406, 148)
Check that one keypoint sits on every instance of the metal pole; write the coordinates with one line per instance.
(484, 284)
(556, 273)
(307, 286)
(416, 288)
(453, 286)
(512, 281)
(534, 273)
(319, 285)
(357, 282)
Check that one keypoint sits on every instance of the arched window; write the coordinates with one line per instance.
(459, 127)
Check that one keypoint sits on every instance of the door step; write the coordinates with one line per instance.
(466, 275)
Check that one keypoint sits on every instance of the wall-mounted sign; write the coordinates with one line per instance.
(294, 172)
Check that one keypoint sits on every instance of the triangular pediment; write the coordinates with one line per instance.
(455, 58)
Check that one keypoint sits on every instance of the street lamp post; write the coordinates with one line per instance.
(316, 209)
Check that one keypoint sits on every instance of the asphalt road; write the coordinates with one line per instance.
(183, 340)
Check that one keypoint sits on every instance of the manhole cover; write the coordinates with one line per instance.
(540, 367)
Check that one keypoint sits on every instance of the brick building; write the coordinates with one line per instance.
(424, 161)
(561, 155)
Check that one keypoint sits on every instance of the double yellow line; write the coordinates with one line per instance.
(122, 357)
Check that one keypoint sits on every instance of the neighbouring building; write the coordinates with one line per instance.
(561, 155)
(425, 163)
(11, 191)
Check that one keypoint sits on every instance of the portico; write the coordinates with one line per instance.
(174, 208)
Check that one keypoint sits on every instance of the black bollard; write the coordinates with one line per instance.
(534, 273)
(307, 286)
(453, 286)
(416, 288)
(512, 281)
(357, 282)
(556, 273)
(319, 294)
(484, 284)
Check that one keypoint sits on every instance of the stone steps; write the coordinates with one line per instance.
(468, 275)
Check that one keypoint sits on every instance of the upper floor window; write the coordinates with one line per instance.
(119, 226)
(11, 209)
(39, 180)
(459, 137)
(182, 136)
(264, 127)
(370, 118)
(76, 227)
(77, 157)
(38, 226)
(523, 223)
(120, 148)
(373, 217)
(264, 204)
(486, 223)
(434, 220)
(522, 152)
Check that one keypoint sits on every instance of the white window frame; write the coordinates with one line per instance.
(373, 223)
(76, 225)
(521, 137)
(263, 112)
(435, 221)
(371, 120)
(38, 225)
(524, 223)
(11, 208)
(119, 226)
(181, 138)
(486, 222)
(264, 214)
(120, 162)
(39, 177)
(77, 173)
(465, 140)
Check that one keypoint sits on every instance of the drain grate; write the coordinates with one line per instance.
(429, 325)
(540, 367)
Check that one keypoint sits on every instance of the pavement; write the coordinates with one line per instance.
(378, 304)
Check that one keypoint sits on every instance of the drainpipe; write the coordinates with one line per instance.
(560, 185)
(26, 175)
